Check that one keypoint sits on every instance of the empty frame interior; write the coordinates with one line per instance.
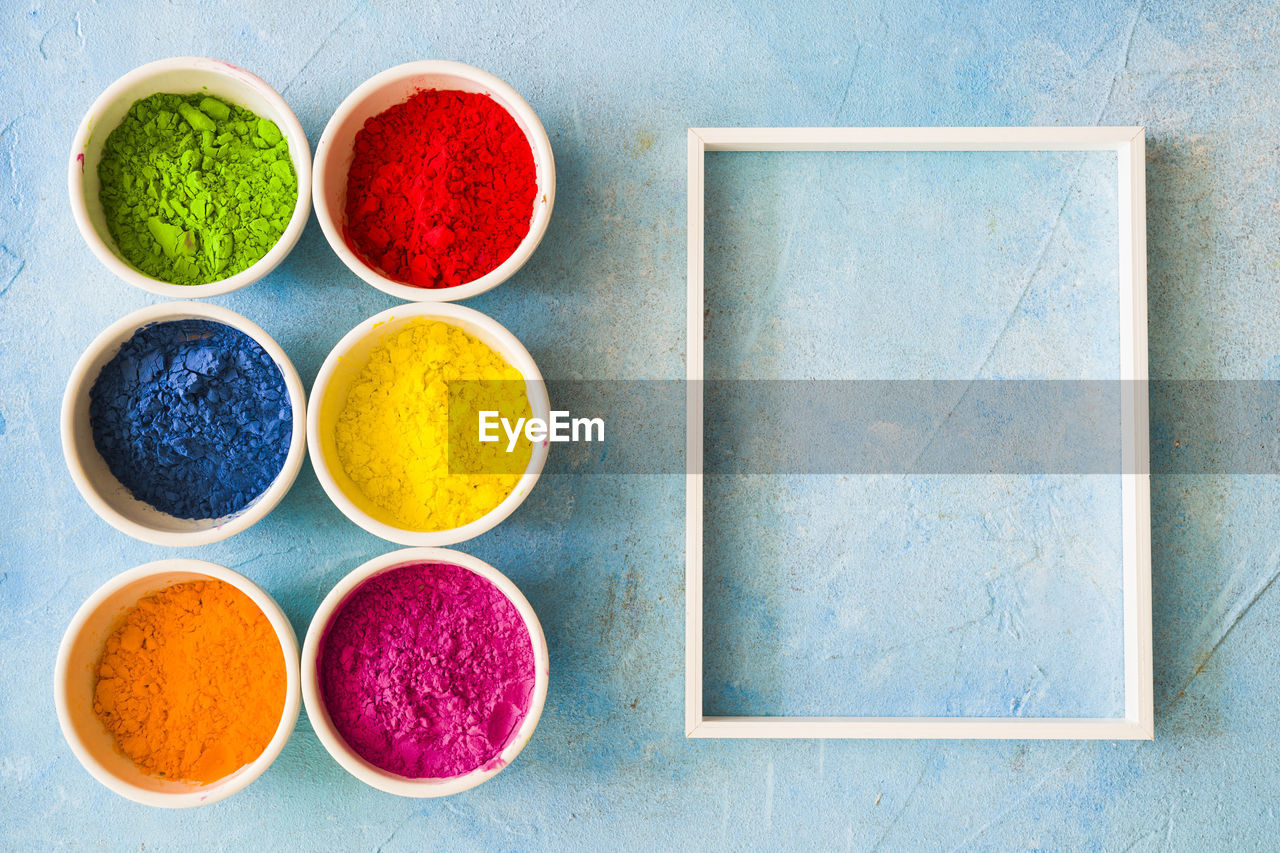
(1127, 145)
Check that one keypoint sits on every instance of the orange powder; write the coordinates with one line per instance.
(192, 685)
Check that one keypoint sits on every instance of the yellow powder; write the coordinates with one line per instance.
(393, 434)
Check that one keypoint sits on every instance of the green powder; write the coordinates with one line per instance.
(195, 190)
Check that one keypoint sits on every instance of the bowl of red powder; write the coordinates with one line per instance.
(177, 683)
(434, 181)
(424, 672)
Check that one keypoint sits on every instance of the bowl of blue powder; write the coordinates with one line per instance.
(183, 424)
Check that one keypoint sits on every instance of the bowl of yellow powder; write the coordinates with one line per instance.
(394, 424)
(177, 683)
(190, 177)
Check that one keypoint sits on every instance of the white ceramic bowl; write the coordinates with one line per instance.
(180, 76)
(107, 496)
(75, 679)
(318, 713)
(385, 90)
(329, 395)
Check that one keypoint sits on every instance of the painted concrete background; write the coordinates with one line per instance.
(879, 595)
(601, 559)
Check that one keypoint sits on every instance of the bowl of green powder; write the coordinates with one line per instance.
(190, 177)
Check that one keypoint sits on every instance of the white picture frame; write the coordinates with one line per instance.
(1129, 145)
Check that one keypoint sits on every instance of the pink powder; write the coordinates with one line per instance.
(427, 670)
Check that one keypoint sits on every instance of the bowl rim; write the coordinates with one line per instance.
(317, 710)
(242, 778)
(323, 466)
(300, 155)
(79, 382)
(539, 142)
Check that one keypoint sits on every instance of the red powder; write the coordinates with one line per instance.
(441, 189)
(427, 670)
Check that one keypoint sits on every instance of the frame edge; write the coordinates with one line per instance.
(693, 439)
(923, 728)
(1129, 144)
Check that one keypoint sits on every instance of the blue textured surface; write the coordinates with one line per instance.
(879, 595)
(602, 559)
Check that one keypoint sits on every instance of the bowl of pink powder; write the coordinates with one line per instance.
(424, 672)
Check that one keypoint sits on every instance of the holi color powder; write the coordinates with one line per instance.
(441, 189)
(393, 433)
(195, 190)
(192, 683)
(427, 670)
(192, 417)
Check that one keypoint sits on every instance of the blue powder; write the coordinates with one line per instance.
(192, 417)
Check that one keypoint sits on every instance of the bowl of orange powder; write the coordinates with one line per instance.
(177, 683)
